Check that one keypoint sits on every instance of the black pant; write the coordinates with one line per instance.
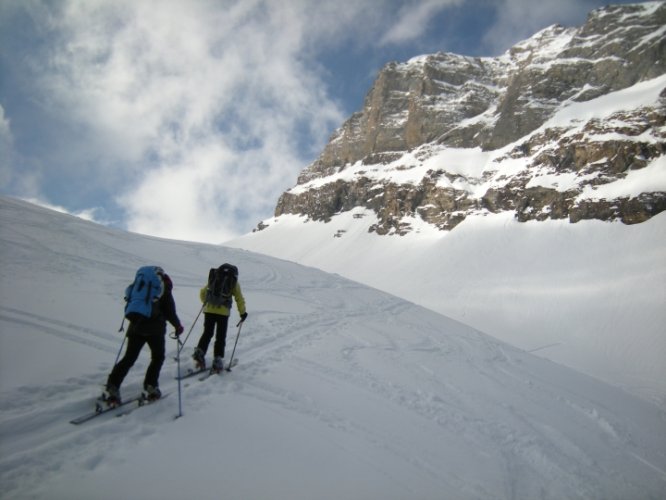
(134, 345)
(214, 323)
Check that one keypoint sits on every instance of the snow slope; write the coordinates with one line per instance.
(589, 295)
(342, 391)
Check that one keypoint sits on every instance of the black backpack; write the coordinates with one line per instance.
(221, 282)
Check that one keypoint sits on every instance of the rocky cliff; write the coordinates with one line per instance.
(443, 136)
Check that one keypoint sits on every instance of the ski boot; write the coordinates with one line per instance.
(199, 359)
(111, 396)
(218, 364)
(151, 393)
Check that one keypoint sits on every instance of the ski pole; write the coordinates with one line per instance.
(182, 344)
(180, 400)
(239, 325)
(120, 350)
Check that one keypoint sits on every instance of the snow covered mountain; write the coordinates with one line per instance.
(342, 391)
(549, 151)
(522, 195)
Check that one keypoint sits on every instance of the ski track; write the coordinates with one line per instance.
(529, 447)
(37, 407)
(67, 331)
(276, 340)
(21, 468)
(428, 406)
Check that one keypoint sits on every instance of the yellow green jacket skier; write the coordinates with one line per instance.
(224, 310)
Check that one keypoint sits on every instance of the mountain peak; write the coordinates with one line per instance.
(530, 111)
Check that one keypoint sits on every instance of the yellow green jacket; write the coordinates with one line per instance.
(223, 310)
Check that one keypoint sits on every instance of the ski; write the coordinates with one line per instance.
(212, 371)
(142, 401)
(191, 373)
(101, 410)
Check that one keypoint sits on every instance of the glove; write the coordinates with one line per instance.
(243, 316)
(179, 330)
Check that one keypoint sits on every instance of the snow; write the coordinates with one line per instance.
(342, 391)
(562, 182)
(635, 97)
(588, 295)
(477, 171)
(651, 37)
(649, 179)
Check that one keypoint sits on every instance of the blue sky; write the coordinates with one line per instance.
(188, 119)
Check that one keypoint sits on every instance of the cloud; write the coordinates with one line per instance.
(413, 20)
(6, 147)
(26, 182)
(192, 117)
(201, 111)
(90, 214)
(517, 20)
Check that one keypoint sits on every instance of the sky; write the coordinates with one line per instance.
(187, 120)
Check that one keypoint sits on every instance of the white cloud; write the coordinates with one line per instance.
(6, 147)
(199, 102)
(193, 114)
(90, 214)
(413, 20)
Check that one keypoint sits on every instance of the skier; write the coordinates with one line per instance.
(217, 297)
(146, 330)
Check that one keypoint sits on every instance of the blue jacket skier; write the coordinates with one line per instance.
(149, 331)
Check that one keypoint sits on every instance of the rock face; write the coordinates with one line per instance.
(420, 115)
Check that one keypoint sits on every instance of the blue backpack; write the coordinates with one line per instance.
(142, 295)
